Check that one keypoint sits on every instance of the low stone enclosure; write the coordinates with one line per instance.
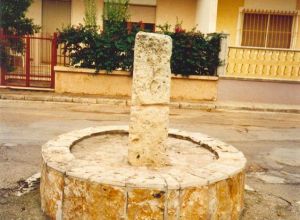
(205, 181)
(144, 170)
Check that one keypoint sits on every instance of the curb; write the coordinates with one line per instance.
(179, 105)
(260, 107)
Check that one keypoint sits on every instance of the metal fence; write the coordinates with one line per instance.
(33, 63)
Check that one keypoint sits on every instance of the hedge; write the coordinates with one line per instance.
(193, 52)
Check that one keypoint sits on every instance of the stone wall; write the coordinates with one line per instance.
(109, 188)
(118, 84)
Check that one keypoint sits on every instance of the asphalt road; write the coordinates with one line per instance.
(270, 141)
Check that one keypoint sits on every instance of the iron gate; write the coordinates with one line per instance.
(34, 65)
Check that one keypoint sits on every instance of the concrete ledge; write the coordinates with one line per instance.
(27, 88)
(65, 69)
(259, 79)
(117, 84)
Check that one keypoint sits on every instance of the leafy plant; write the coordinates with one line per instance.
(193, 52)
(14, 22)
(196, 54)
(116, 10)
(111, 49)
(90, 13)
(164, 28)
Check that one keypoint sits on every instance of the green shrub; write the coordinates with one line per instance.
(13, 21)
(90, 13)
(105, 51)
(193, 53)
(109, 50)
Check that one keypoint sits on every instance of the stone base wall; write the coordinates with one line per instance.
(118, 84)
(69, 197)
(73, 188)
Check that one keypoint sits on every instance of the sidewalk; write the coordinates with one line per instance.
(50, 96)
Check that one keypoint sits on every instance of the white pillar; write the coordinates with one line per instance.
(206, 15)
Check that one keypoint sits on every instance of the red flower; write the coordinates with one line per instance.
(179, 29)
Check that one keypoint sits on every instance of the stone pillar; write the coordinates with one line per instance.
(149, 117)
(206, 15)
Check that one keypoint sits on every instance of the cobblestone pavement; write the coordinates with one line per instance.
(270, 142)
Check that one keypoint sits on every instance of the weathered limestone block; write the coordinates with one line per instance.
(51, 186)
(145, 204)
(90, 200)
(173, 198)
(236, 185)
(74, 197)
(194, 203)
(213, 202)
(225, 203)
(104, 202)
(148, 131)
(152, 71)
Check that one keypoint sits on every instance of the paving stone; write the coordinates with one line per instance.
(286, 156)
(269, 178)
(38, 98)
(84, 100)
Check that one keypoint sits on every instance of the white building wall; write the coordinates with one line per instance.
(77, 12)
(206, 15)
(78, 9)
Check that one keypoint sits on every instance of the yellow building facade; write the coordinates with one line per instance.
(205, 15)
(263, 36)
(53, 14)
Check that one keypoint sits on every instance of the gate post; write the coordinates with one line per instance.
(27, 61)
(2, 68)
(53, 59)
(2, 73)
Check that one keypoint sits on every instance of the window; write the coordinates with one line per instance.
(144, 14)
(267, 29)
(144, 26)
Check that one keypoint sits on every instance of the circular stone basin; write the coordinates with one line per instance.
(112, 149)
(86, 175)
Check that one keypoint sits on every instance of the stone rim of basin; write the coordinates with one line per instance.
(57, 155)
